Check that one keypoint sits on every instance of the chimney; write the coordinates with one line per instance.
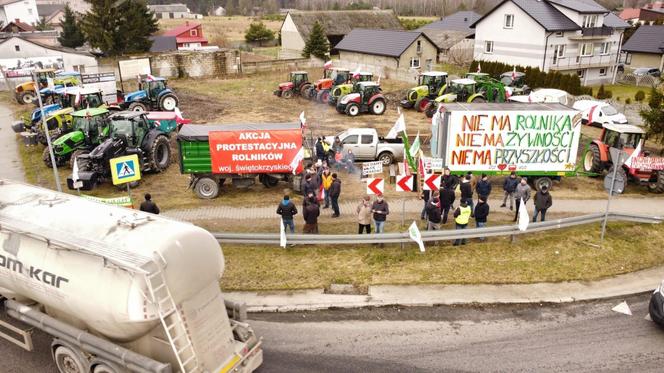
(17, 20)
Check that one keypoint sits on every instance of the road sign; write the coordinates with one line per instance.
(618, 182)
(437, 164)
(405, 183)
(431, 182)
(125, 169)
(369, 168)
(375, 185)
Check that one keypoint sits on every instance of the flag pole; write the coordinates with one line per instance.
(47, 133)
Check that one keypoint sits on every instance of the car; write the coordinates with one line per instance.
(544, 95)
(656, 306)
(652, 71)
(598, 113)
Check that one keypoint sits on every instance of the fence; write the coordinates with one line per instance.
(638, 80)
(254, 67)
(442, 235)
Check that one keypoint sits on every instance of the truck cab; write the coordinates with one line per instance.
(366, 145)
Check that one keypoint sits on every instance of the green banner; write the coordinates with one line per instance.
(117, 201)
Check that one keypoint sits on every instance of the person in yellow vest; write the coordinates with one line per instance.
(327, 183)
(461, 218)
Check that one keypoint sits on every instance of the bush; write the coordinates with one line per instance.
(273, 17)
(640, 96)
(258, 32)
(600, 92)
(628, 100)
(412, 24)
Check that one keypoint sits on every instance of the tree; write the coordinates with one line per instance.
(258, 32)
(137, 26)
(42, 25)
(317, 44)
(71, 35)
(653, 115)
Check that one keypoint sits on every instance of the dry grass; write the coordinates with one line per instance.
(222, 28)
(553, 256)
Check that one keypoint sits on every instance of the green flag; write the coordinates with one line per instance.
(415, 148)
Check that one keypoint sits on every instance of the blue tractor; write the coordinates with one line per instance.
(152, 95)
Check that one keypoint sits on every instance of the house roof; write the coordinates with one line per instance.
(646, 39)
(459, 21)
(542, 12)
(612, 20)
(445, 39)
(580, 6)
(391, 43)
(167, 8)
(341, 22)
(51, 47)
(180, 29)
(46, 10)
(630, 13)
(191, 39)
(22, 26)
(162, 43)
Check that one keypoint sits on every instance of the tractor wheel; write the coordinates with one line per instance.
(421, 104)
(269, 181)
(46, 157)
(18, 126)
(287, 94)
(386, 158)
(478, 100)
(27, 98)
(378, 107)
(206, 188)
(137, 106)
(304, 89)
(657, 185)
(168, 102)
(323, 96)
(541, 182)
(74, 155)
(160, 154)
(431, 108)
(592, 160)
(352, 109)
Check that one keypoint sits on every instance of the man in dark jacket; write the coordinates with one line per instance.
(335, 191)
(450, 181)
(149, 206)
(380, 210)
(320, 150)
(543, 201)
(426, 194)
(310, 214)
(446, 202)
(509, 187)
(483, 187)
(433, 215)
(467, 192)
(481, 214)
(287, 210)
(309, 187)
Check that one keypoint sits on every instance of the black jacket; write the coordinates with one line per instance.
(447, 197)
(433, 213)
(466, 190)
(149, 206)
(509, 185)
(481, 212)
(483, 188)
(381, 207)
(287, 211)
(320, 150)
(335, 188)
(543, 200)
(309, 187)
(311, 212)
(450, 181)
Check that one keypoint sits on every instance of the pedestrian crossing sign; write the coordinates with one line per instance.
(125, 169)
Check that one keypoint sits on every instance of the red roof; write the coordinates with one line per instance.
(629, 13)
(22, 26)
(191, 39)
(181, 29)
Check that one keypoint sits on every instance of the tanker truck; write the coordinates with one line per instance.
(118, 290)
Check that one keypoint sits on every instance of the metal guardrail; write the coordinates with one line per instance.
(441, 235)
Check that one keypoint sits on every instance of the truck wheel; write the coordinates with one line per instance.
(206, 188)
(352, 109)
(74, 155)
(137, 106)
(103, 368)
(27, 97)
(287, 94)
(18, 126)
(386, 158)
(542, 182)
(657, 185)
(323, 96)
(67, 360)
(160, 154)
(168, 102)
(378, 107)
(421, 104)
(269, 181)
(592, 161)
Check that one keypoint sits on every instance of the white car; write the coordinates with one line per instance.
(598, 113)
(544, 95)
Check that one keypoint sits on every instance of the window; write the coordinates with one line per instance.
(488, 47)
(509, 21)
(367, 139)
(628, 59)
(17, 48)
(414, 63)
(602, 72)
(419, 46)
(589, 21)
(586, 49)
(352, 139)
(429, 64)
(581, 73)
(606, 48)
(560, 50)
(193, 32)
(559, 34)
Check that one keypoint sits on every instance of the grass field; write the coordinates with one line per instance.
(622, 91)
(221, 30)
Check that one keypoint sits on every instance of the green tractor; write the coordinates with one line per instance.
(467, 90)
(429, 86)
(340, 90)
(89, 129)
(478, 77)
(515, 81)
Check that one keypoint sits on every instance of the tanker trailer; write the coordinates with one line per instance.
(118, 290)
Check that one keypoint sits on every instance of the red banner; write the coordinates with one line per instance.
(648, 163)
(254, 151)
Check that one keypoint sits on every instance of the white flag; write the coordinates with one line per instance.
(296, 161)
(436, 115)
(178, 113)
(524, 219)
(303, 120)
(399, 126)
(415, 146)
(74, 171)
(635, 153)
(282, 234)
(415, 235)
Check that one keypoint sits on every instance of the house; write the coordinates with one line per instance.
(630, 15)
(646, 15)
(646, 47)
(376, 50)
(52, 14)
(453, 33)
(20, 48)
(162, 43)
(25, 10)
(79, 6)
(17, 26)
(649, 15)
(189, 35)
(571, 36)
(459, 21)
(220, 11)
(171, 11)
(48, 37)
(298, 24)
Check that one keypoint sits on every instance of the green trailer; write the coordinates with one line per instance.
(243, 153)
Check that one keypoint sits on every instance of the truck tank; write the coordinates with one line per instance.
(87, 263)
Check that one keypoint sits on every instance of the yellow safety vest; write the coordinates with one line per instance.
(326, 146)
(464, 216)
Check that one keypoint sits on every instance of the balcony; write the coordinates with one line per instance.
(581, 62)
(592, 33)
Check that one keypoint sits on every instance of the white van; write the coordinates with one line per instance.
(598, 113)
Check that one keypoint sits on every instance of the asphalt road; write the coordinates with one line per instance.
(582, 337)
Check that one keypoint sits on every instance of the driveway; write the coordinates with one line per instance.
(10, 162)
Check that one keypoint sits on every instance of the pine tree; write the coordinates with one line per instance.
(71, 35)
(653, 116)
(138, 24)
(600, 92)
(258, 32)
(42, 25)
(317, 44)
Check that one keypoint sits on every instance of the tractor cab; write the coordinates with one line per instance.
(92, 124)
(130, 126)
(462, 89)
(153, 94)
(298, 83)
(297, 78)
(477, 76)
(621, 136)
(89, 98)
(515, 81)
(430, 85)
(363, 76)
(367, 89)
(153, 87)
(341, 90)
(336, 76)
(434, 80)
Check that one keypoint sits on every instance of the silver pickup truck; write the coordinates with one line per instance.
(367, 146)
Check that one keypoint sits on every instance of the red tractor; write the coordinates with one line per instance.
(643, 168)
(366, 97)
(297, 84)
(320, 91)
